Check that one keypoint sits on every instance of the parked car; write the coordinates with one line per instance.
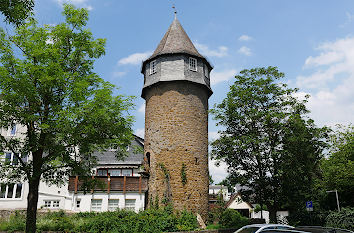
(291, 230)
(317, 229)
(257, 228)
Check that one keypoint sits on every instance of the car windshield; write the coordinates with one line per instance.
(249, 230)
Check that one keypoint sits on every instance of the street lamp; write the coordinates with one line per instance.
(335, 191)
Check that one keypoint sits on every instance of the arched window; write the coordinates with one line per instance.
(148, 158)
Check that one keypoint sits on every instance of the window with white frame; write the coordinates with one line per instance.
(193, 64)
(130, 204)
(96, 204)
(127, 172)
(115, 172)
(56, 204)
(12, 159)
(102, 172)
(113, 204)
(153, 67)
(11, 191)
(51, 203)
(47, 204)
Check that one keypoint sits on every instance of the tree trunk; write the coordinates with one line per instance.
(32, 200)
(272, 215)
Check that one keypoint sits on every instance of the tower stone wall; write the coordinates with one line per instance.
(176, 138)
(176, 90)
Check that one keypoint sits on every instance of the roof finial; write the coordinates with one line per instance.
(175, 11)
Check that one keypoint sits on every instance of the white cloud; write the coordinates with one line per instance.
(140, 132)
(118, 74)
(142, 108)
(78, 3)
(222, 76)
(350, 18)
(331, 82)
(135, 58)
(245, 51)
(245, 38)
(204, 49)
(213, 135)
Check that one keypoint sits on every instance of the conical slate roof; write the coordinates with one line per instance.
(175, 40)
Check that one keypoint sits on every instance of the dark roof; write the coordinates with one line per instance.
(134, 157)
(175, 41)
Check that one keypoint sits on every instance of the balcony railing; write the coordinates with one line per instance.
(108, 184)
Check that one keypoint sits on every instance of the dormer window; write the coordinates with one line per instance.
(153, 68)
(193, 64)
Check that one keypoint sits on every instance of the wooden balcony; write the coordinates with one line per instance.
(108, 184)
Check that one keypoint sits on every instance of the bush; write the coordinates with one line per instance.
(307, 218)
(55, 221)
(16, 222)
(232, 219)
(152, 220)
(343, 219)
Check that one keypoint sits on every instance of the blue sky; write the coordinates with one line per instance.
(312, 42)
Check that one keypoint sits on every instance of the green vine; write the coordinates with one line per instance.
(183, 174)
(167, 195)
(165, 171)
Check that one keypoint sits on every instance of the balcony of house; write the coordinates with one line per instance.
(108, 184)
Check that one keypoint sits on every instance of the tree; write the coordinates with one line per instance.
(16, 11)
(338, 169)
(264, 125)
(48, 86)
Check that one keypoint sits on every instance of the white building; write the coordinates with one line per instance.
(248, 210)
(122, 185)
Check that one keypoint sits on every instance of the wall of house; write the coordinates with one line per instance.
(239, 205)
(85, 200)
(15, 203)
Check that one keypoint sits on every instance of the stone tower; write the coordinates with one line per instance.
(176, 90)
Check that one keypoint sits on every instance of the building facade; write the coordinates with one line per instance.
(121, 184)
(176, 90)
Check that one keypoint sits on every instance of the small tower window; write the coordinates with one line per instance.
(153, 68)
(206, 72)
(193, 64)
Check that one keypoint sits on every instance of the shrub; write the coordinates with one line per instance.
(231, 218)
(306, 218)
(343, 219)
(152, 220)
(16, 222)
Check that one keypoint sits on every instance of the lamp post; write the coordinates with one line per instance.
(335, 191)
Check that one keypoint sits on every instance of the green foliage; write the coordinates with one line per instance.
(183, 174)
(167, 194)
(211, 181)
(213, 227)
(268, 142)
(338, 169)
(343, 219)
(153, 220)
(165, 171)
(217, 209)
(16, 222)
(231, 218)
(307, 218)
(258, 208)
(16, 11)
(48, 85)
